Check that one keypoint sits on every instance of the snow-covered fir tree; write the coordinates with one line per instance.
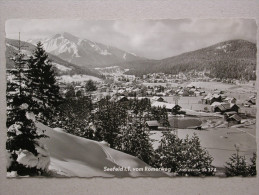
(238, 166)
(43, 86)
(109, 119)
(183, 156)
(252, 166)
(136, 141)
(26, 156)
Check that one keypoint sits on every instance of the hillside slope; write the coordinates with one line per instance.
(229, 59)
(73, 156)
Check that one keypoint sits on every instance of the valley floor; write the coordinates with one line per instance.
(72, 156)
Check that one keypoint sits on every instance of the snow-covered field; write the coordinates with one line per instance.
(77, 78)
(73, 156)
(220, 142)
(112, 70)
(210, 86)
(61, 67)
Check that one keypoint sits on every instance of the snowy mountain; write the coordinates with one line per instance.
(84, 52)
(61, 66)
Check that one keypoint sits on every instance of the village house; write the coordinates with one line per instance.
(229, 114)
(119, 99)
(252, 100)
(152, 125)
(230, 100)
(190, 86)
(197, 93)
(223, 107)
(170, 92)
(138, 98)
(247, 104)
(157, 99)
(79, 88)
(173, 108)
(210, 99)
(234, 119)
(187, 92)
(149, 92)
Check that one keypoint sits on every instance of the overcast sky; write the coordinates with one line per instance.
(154, 39)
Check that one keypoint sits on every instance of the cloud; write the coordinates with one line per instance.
(149, 38)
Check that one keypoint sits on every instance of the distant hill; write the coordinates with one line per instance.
(230, 59)
(84, 52)
(61, 66)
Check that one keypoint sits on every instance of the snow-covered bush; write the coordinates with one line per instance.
(41, 161)
(238, 166)
(184, 156)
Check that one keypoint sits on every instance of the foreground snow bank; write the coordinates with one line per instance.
(12, 174)
(28, 159)
(73, 156)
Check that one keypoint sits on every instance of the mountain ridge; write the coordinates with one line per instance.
(235, 59)
(61, 66)
(84, 52)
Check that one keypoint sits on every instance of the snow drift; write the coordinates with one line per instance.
(73, 156)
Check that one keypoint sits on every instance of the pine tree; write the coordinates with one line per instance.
(90, 86)
(109, 119)
(236, 166)
(22, 135)
(183, 156)
(161, 115)
(17, 88)
(252, 166)
(44, 89)
(164, 118)
(135, 141)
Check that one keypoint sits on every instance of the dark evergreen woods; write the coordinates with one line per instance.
(25, 101)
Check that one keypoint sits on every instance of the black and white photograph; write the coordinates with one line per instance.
(131, 98)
